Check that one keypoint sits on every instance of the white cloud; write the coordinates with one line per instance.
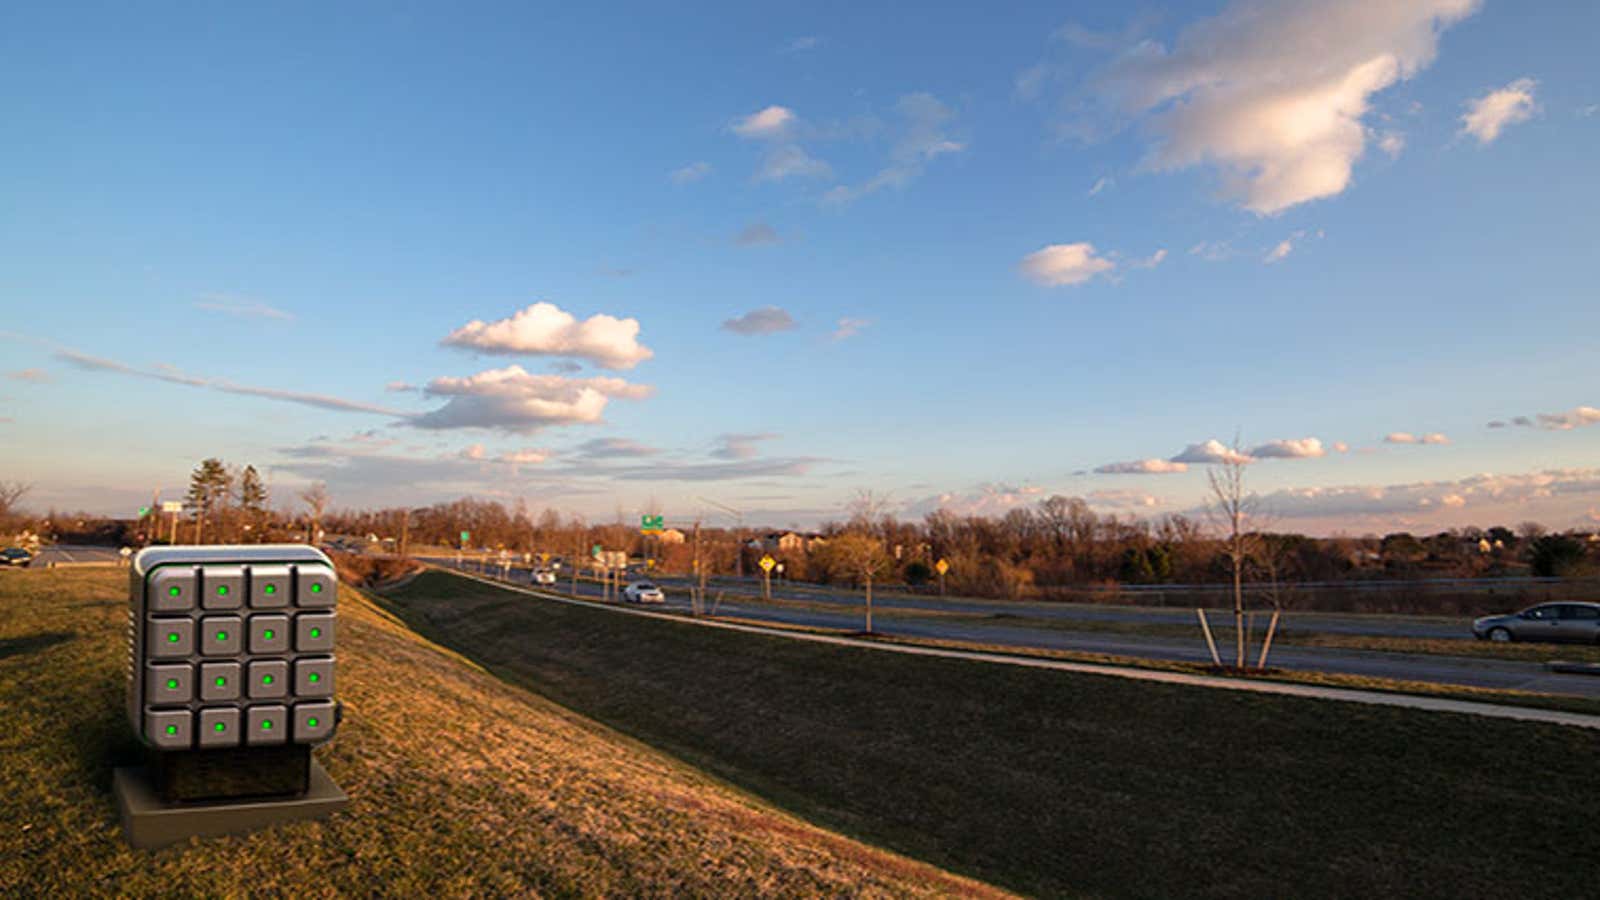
(1392, 143)
(399, 387)
(768, 124)
(1211, 452)
(31, 376)
(1115, 501)
(791, 161)
(1065, 264)
(1273, 93)
(1577, 417)
(849, 328)
(1100, 184)
(1212, 251)
(1299, 448)
(756, 234)
(613, 448)
(993, 500)
(1488, 115)
(766, 320)
(1400, 437)
(244, 309)
(694, 171)
(514, 400)
(528, 456)
(1435, 437)
(473, 451)
(1151, 261)
(1341, 447)
(544, 329)
(1282, 250)
(740, 446)
(1551, 494)
(922, 133)
(802, 44)
(1143, 467)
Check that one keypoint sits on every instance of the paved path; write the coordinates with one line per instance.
(1432, 704)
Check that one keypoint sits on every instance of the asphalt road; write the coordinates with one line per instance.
(69, 554)
(1466, 671)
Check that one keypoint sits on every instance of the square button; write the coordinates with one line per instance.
(222, 587)
(166, 684)
(269, 634)
(219, 681)
(270, 587)
(266, 725)
(313, 721)
(315, 586)
(268, 679)
(313, 632)
(169, 729)
(171, 589)
(313, 677)
(167, 637)
(219, 727)
(219, 635)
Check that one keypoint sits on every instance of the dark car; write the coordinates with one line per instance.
(15, 556)
(1545, 622)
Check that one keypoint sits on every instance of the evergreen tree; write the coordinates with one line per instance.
(253, 500)
(208, 490)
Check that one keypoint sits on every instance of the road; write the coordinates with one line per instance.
(910, 617)
(71, 554)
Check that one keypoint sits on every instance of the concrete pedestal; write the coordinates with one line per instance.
(149, 823)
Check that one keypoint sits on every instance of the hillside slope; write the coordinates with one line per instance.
(459, 785)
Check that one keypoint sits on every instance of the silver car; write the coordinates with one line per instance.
(643, 592)
(1545, 622)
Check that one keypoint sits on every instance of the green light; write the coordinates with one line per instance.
(222, 682)
(314, 677)
(174, 591)
(312, 722)
(172, 729)
(172, 637)
(266, 679)
(271, 589)
(222, 635)
(222, 590)
(266, 724)
(172, 684)
(316, 588)
(220, 727)
(268, 635)
(316, 632)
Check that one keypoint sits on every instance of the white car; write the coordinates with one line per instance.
(643, 592)
(544, 576)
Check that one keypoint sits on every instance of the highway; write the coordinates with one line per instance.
(1073, 627)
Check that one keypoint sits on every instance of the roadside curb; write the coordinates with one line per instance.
(1573, 668)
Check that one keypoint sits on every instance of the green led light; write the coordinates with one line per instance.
(222, 635)
(316, 632)
(312, 722)
(268, 634)
(172, 637)
(172, 684)
(314, 677)
(174, 591)
(220, 727)
(222, 682)
(316, 588)
(266, 679)
(222, 590)
(172, 729)
(266, 724)
(271, 589)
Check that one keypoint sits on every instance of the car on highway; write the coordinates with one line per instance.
(1579, 622)
(15, 556)
(544, 576)
(643, 592)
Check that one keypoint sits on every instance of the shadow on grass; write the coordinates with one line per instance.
(33, 643)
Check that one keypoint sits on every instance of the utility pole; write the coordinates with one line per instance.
(405, 531)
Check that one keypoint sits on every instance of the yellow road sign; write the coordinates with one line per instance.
(943, 566)
(767, 563)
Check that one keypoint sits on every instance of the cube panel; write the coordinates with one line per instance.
(232, 645)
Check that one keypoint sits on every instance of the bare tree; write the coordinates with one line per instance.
(860, 548)
(1231, 510)
(11, 493)
(316, 500)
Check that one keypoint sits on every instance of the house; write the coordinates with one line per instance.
(670, 536)
(788, 542)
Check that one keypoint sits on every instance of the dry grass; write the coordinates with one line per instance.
(460, 786)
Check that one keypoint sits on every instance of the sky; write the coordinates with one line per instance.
(619, 257)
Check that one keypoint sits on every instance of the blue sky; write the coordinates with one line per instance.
(1005, 250)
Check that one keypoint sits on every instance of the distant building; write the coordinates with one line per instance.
(670, 536)
(787, 542)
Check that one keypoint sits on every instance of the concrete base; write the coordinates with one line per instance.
(149, 823)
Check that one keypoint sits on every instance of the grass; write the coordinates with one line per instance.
(460, 785)
(1058, 783)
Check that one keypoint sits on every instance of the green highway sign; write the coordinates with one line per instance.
(144, 511)
(652, 524)
(466, 536)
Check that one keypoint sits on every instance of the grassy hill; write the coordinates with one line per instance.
(1059, 783)
(460, 785)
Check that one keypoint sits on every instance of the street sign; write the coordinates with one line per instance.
(767, 563)
(942, 566)
(144, 511)
(172, 506)
(652, 524)
(465, 536)
(650, 564)
(596, 551)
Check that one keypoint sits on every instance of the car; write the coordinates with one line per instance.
(544, 576)
(643, 592)
(1578, 622)
(15, 556)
